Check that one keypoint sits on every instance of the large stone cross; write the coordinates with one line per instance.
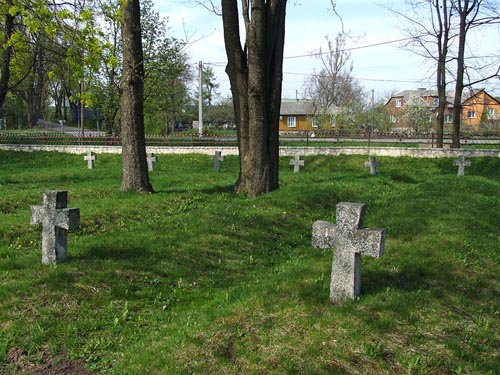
(296, 162)
(89, 158)
(217, 159)
(372, 164)
(461, 162)
(350, 240)
(151, 159)
(56, 219)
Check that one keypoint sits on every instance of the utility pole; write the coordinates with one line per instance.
(200, 99)
(82, 108)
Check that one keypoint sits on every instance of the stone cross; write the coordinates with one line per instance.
(462, 162)
(296, 162)
(372, 164)
(56, 219)
(350, 240)
(89, 158)
(217, 158)
(151, 159)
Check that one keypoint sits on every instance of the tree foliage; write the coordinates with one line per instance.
(50, 51)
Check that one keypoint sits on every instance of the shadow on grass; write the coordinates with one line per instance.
(116, 253)
(408, 278)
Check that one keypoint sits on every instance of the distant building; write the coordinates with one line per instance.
(478, 107)
(300, 115)
(396, 106)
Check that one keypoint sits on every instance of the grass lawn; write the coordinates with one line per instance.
(195, 279)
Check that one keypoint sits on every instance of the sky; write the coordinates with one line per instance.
(380, 64)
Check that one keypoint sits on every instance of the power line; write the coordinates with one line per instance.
(349, 49)
(314, 54)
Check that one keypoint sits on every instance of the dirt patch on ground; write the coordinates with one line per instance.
(18, 363)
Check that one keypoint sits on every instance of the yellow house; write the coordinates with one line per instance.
(299, 115)
(479, 108)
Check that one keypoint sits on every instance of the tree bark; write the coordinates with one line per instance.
(256, 75)
(134, 165)
(6, 55)
(443, 24)
(467, 11)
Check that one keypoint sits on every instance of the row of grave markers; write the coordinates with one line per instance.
(151, 159)
(372, 163)
(91, 157)
(347, 236)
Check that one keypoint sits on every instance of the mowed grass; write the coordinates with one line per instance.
(196, 279)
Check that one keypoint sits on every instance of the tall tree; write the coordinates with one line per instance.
(442, 30)
(167, 72)
(431, 32)
(471, 14)
(256, 73)
(439, 30)
(5, 50)
(134, 165)
(334, 85)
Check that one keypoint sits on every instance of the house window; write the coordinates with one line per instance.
(399, 103)
(447, 119)
(333, 121)
(393, 119)
(471, 114)
(436, 102)
(315, 122)
(291, 122)
(491, 112)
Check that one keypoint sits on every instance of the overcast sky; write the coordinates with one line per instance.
(379, 64)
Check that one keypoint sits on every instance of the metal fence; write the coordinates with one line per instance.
(304, 138)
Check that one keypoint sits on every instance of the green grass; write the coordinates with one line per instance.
(195, 279)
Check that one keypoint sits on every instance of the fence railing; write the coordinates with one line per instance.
(303, 138)
(97, 139)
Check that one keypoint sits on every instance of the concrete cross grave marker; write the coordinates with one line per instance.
(90, 158)
(350, 240)
(297, 163)
(217, 158)
(56, 220)
(462, 162)
(373, 164)
(151, 159)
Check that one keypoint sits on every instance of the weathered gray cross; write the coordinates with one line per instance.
(350, 240)
(462, 162)
(373, 164)
(151, 159)
(56, 220)
(296, 162)
(90, 158)
(217, 158)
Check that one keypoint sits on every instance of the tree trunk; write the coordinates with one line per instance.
(443, 31)
(459, 87)
(134, 166)
(465, 8)
(256, 76)
(6, 55)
